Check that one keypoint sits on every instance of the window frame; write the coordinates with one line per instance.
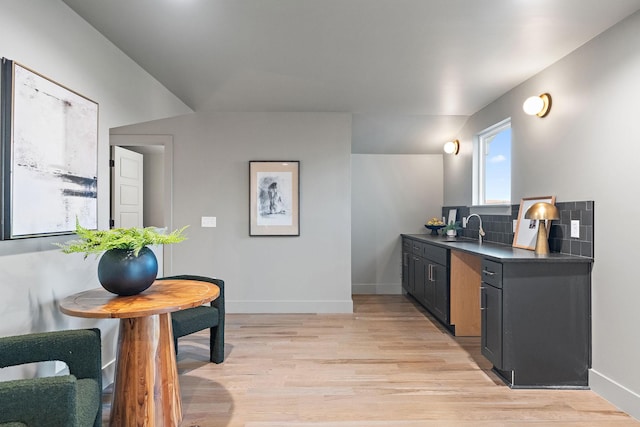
(479, 163)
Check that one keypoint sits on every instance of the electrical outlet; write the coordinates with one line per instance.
(464, 222)
(515, 225)
(208, 221)
(575, 228)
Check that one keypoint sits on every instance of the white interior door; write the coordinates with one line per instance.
(127, 188)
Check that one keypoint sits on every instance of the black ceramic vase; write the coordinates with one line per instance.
(121, 272)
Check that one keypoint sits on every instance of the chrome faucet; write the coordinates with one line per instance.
(480, 230)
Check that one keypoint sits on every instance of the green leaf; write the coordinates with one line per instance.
(135, 238)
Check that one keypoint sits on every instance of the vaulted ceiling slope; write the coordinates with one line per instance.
(389, 58)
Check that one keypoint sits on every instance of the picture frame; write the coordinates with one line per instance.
(274, 198)
(527, 230)
(49, 155)
(453, 215)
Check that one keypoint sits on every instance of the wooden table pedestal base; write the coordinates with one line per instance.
(146, 388)
(146, 392)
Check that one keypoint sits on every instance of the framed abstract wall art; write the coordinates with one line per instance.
(274, 198)
(49, 155)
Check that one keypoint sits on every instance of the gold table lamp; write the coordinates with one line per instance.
(542, 212)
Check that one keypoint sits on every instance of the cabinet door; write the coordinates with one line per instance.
(491, 318)
(440, 292)
(419, 278)
(406, 256)
(412, 275)
(429, 286)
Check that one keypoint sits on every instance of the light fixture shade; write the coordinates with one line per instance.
(452, 147)
(537, 105)
(542, 210)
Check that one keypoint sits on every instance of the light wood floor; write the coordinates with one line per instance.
(387, 364)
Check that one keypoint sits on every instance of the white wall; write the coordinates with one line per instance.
(585, 149)
(309, 273)
(391, 194)
(153, 175)
(51, 39)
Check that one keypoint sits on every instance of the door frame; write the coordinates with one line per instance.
(167, 142)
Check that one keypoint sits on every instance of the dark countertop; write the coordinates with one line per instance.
(495, 251)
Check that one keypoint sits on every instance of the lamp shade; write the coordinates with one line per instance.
(452, 147)
(533, 105)
(542, 210)
(537, 105)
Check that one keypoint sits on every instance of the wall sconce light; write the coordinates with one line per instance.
(542, 211)
(537, 105)
(452, 147)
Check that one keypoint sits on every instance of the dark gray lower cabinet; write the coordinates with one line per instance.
(412, 266)
(491, 311)
(536, 322)
(535, 311)
(407, 265)
(440, 281)
(425, 276)
(419, 285)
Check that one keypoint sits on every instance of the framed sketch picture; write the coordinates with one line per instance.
(49, 156)
(274, 198)
(527, 229)
(453, 215)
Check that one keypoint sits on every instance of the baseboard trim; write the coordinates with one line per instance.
(376, 288)
(282, 307)
(617, 394)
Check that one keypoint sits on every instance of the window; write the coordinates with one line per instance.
(492, 165)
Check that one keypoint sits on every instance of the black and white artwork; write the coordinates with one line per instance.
(274, 198)
(53, 158)
(274, 195)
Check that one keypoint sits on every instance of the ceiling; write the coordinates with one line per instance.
(411, 71)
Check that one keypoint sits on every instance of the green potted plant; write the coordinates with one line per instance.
(451, 229)
(127, 266)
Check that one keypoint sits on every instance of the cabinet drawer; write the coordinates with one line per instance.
(417, 248)
(406, 245)
(436, 254)
(492, 272)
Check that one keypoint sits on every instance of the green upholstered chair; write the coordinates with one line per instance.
(190, 320)
(67, 400)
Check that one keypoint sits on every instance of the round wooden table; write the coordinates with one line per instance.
(146, 390)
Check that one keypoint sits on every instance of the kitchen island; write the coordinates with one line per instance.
(532, 312)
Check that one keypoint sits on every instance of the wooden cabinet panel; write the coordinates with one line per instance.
(465, 293)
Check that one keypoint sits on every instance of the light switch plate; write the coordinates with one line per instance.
(575, 228)
(208, 221)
